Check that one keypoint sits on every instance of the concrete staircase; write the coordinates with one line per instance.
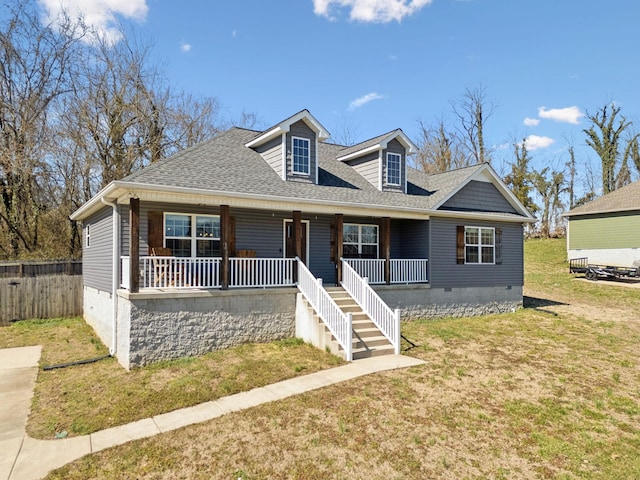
(368, 341)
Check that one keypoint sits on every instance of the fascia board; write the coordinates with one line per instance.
(360, 153)
(600, 212)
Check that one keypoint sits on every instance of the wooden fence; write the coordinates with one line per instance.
(40, 290)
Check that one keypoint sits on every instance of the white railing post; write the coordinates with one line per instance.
(396, 347)
(349, 340)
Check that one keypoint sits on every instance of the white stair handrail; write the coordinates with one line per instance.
(386, 319)
(339, 323)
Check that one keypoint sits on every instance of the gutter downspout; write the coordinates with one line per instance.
(115, 275)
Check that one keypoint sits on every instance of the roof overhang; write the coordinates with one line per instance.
(398, 134)
(121, 193)
(487, 174)
(600, 212)
(285, 126)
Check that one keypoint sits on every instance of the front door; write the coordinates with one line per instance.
(289, 246)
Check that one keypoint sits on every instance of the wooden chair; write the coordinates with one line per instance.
(162, 274)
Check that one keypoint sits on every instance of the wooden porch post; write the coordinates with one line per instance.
(386, 248)
(134, 245)
(225, 234)
(338, 253)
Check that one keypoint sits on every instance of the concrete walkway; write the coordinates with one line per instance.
(24, 458)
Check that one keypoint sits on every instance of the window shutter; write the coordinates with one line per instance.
(332, 236)
(460, 244)
(155, 229)
(498, 246)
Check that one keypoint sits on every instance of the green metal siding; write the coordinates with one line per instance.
(612, 230)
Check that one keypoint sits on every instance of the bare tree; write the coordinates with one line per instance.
(605, 136)
(438, 149)
(550, 186)
(35, 72)
(473, 110)
(519, 179)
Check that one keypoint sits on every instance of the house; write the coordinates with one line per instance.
(244, 238)
(606, 230)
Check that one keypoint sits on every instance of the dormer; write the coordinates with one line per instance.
(291, 147)
(382, 160)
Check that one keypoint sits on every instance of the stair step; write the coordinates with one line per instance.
(374, 352)
(367, 332)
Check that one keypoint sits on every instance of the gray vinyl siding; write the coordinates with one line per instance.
(445, 273)
(368, 167)
(259, 230)
(96, 259)
(409, 239)
(301, 130)
(394, 146)
(272, 153)
(481, 196)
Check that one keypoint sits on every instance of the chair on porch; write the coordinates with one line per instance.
(163, 275)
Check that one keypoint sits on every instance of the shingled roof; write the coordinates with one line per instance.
(623, 199)
(225, 166)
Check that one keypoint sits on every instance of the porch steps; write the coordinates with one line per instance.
(368, 341)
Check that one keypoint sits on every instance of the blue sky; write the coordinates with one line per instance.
(382, 64)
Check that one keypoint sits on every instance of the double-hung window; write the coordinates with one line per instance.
(479, 245)
(300, 155)
(393, 169)
(359, 241)
(192, 235)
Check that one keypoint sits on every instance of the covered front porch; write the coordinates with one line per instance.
(376, 248)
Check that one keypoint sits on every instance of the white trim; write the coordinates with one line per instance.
(399, 169)
(87, 238)
(360, 153)
(316, 160)
(284, 237)
(410, 147)
(285, 126)
(293, 171)
(380, 175)
(479, 245)
(283, 147)
(489, 174)
(360, 244)
(194, 238)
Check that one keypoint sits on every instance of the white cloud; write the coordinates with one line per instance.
(374, 11)
(98, 14)
(369, 97)
(185, 47)
(536, 142)
(566, 115)
(531, 122)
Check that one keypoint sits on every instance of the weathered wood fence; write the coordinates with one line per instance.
(40, 290)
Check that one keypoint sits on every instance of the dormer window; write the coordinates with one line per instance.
(393, 169)
(300, 149)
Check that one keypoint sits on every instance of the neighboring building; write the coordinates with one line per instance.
(607, 230)
(200, 251)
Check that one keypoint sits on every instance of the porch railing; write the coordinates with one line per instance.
(178, 272)
(386, 319)
(339, 323)
(261, 272)
(409, 271)
(372, 268)
(401, 270)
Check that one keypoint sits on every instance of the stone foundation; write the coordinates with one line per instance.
(173, 325)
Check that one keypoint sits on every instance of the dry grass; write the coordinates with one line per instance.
(86, 398)
(550, 391)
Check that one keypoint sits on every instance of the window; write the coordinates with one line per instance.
(300, 155)
(192, 235)
(479, 245)
(393, 169)
(359, 241)
(88, 236)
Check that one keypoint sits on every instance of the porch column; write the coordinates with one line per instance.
(297, 234)
(225, 234)
(134, 245)
(338, 253)
(386, 248)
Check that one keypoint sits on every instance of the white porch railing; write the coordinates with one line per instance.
(372, 268)
(387, 320)
(179, 272)
(340, 324)
(261, 272)
(401, 270)
(408, 271)
(124, 272)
